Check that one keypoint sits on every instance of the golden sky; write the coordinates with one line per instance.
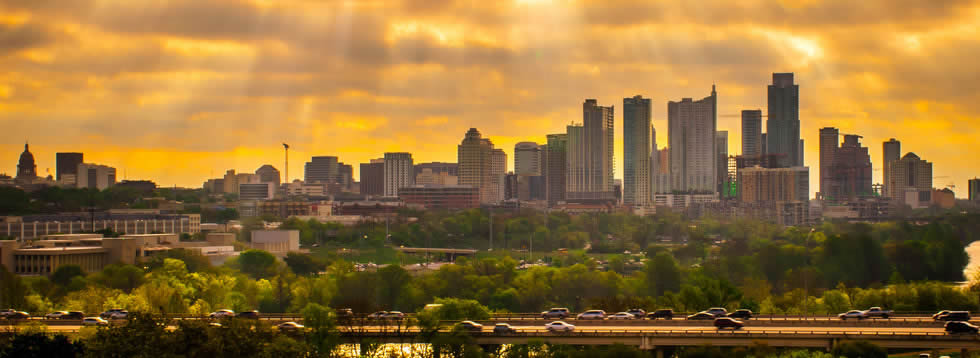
(179, 91)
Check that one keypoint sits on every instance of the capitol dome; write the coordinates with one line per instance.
(26, 167)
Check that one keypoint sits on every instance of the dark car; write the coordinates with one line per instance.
(952, 316)
(960, 327)
(559, 313)
(19, 315)
(501, 328)
(701, 316)
(73, 315)
(741, 314)
(717, 311)
(253, 314)
(727, 322)
(665, 314)
(471, 326)
(638, 312)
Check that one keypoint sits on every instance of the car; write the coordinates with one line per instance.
(345, 313)
(728, 322)
(501, 328)
(290, 327)
(742, 314)
(622, 315)
(224, 313)
(124, 314)
(18, 315)
(94, 321)
(55, 315)
(559, 326)
(960, 327)
(6, 312)
(852, 314)
(952, 316)
(253, 314)
(73, 315)
(393, 315)
(556, 313)
(637, 312)
(667, 314)
(377, 315)
(701, 316)
(108, 313)
(214, 324)
(876, 312)
(717, 311)
(592, 314)
(471, 326)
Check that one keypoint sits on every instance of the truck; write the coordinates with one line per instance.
(877, 312)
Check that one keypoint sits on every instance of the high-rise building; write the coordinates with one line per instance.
(721, 164)
(800, 154)
(95, 176)
(268, 174)
(322, 169)
(429, 177)
(345, 176)
(751, 132)
(399, 172)
(974, 186)
(764, 144)
(479, 166)
(891, 151)
(67, 163)
(829, 137)
(774, 184)
(783, 125)
(691, 127)
(636, 151)
(556, 168)
(451, 169)
(909, 177)
(26, 169)
(590, 155)
(850, 173)
(527, 159)
(661, 175)
(373, 177)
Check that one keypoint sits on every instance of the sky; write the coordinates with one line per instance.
(180, 91)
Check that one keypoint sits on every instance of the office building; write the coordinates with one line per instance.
(67, 163)
(214, 186)
(373, 177)
(399, 172)
(636, 150)
(556, 168)
(301, 188)
(145, 187)
(527, 159)
(974, 187)
(95, 176)
(590, 155)
(322, 169)
(783, 125)
(661, 172)
(850, 173)
(911, 179)
(276, 242)
(774, 184)
(721, 163)
(451, 169)
(269, 174)
(231, 180)
(441, 196)
(764, 143)
(498, 170)
(752, 133)
(141, 222)
(345, 177)
(691, 127)
(256, 191)
(429, 177)
(829, 137)
(481, 166)
(891, 151)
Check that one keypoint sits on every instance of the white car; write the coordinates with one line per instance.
(290, 327)
(559, 326)
(592, 314)
(222, 314)
(119, 315)
(622, 315)
(94, 321)
(56, 314)
(852, 314)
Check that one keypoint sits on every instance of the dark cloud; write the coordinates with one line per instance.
(14, 38)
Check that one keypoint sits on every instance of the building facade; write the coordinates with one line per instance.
(321, 169)
(256, 191)
(974, 187)
(829, 142)
(555, 175)
(95, 176)
(783, 125)
(752, 132)
(269, 174)
(637, 126)
(399, 172)
(850, 173)
(721, 161)
(441, 196)
(67, 163)
(527, 159)
(774, 184)
(480, 166)
(373, 177)
(34, 226)
(691, 127)
(590, 155)
(891, 151)
(911, 179)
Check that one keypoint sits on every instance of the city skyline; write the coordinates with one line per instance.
(224, 98)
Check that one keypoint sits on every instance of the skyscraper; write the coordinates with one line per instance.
(909, 174)
(399, 172)
(850, 176)
(764, 144)
(477, 167)
(891, 151)
(751, 133)
(527, 159)
(322, 169)
(828, 149)
(67, 163)
(590, 154)
(498, 173)
(636, 150)
(373, 177)
(691, 127)
(557, 161)
(721, 164)
(783, 125)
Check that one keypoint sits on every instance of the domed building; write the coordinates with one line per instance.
(26, 169)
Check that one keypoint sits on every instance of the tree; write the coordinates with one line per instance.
(121, 276)
(858, 349)
(322, 323)
(303, 264)
(392, 283)
(13, 201)
(662, 274)
(65, 273)
(40, 345)
(257, 263)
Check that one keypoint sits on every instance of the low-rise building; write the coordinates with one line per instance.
(441, 196)
(277, 242)
(151, 221)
